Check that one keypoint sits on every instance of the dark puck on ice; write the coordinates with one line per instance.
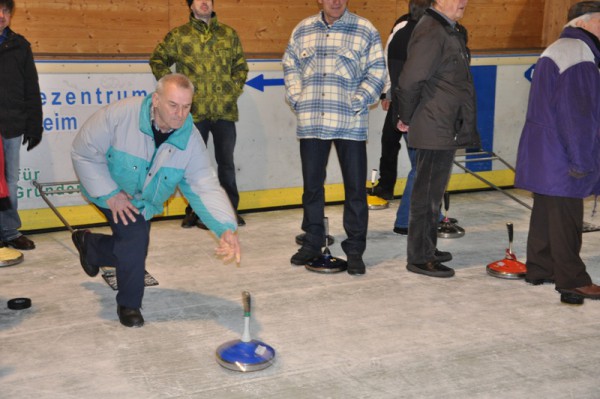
(19, 303)
(571, 299)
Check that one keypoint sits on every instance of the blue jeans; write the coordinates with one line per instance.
(224, 137)
(404, 208)
(433, 173)
(126, 251)
(10, 222)
(352, 156)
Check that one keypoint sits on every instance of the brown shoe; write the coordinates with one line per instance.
(22, 243)
(591, 291)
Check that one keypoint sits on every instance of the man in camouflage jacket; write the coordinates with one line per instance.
(211, 55)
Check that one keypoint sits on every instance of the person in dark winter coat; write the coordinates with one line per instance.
(436, 98)
(396, 53)
(559, 152)
(20, 116)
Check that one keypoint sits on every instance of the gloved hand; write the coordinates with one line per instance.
(31, 142)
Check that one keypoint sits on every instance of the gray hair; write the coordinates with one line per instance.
(178, 79)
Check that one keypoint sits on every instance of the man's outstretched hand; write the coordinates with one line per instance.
(229, 247)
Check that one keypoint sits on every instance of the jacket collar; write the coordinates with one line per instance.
(344, 19)
(179, 138)
(444, 22)
(201, 25)
(587, 37)
(440, 17)
(7, 34)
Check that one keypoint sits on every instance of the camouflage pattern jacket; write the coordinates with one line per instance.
(211, 56)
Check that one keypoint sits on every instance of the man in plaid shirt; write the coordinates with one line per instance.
(334, 69)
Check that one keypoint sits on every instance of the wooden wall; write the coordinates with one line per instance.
(131, 28)
(555, 18)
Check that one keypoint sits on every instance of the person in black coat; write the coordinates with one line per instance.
(437, 107)
(20, 116)
(397, 53)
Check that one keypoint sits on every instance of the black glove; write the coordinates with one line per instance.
(31, 142)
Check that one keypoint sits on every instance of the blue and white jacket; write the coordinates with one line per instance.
(115, 150)
(332, 74)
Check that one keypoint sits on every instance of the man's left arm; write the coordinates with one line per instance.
(202, 189)
(33, 104)
(374, 74)
(239, 66)
(163, 56)
(579, 126)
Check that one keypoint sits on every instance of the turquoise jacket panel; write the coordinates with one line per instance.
(115, 151)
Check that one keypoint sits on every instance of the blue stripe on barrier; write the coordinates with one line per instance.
(484, 78)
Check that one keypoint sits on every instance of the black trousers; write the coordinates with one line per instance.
(125, 250)
(390, 147)
(554, 241)
(224, 136)
(433, 174)
(352, 156)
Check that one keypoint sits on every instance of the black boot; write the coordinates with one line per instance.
(356, 266)
(130, 317)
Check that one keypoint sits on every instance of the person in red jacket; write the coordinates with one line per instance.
(20, 116)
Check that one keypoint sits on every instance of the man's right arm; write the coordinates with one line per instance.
(88, 154)
(424, 58)
(163, 57)
(291, 73)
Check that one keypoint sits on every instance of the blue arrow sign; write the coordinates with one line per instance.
(259, 82)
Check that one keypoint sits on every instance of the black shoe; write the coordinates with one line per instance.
(356, 266)
(450, 220)
(304, 255)
(539, 281)
(21, 243)
(380, 192)
(190, 219)
(431, 269)
(442, 256)
(241, 221)
(571, 299)
(300, 239)
(401, 230)
(130, 317)
(78, 238)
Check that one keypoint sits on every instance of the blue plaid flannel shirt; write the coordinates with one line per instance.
(332, 74)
